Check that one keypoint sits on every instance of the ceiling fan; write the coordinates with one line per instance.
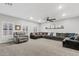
(50, 19)
(9, 4)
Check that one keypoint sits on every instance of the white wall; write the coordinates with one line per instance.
(15, 21)
(47, 24)
(71, 25)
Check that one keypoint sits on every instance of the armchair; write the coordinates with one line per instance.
(20, 37)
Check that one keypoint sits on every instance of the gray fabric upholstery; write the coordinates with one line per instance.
(20, 37)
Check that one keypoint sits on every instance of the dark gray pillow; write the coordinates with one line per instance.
(72, 38)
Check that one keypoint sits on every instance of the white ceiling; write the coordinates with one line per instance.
(38, 11)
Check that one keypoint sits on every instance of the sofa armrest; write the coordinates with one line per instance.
(67, 38)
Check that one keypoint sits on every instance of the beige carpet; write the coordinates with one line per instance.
(39, 47)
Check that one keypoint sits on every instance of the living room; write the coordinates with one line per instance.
(39, 29)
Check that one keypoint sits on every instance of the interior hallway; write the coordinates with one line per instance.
(39, 47)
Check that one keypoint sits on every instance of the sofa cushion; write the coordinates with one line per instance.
(51, 34)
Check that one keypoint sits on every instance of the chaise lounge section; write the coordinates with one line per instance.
(71, 43)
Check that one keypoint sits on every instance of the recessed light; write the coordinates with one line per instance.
(31, 18)
(60, 7)
(63, 14)
(39, 20)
